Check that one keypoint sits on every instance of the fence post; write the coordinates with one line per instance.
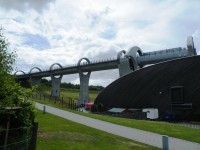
(165, 142)
(34, 136)
(7, 130)
(62, 101)
(40, 96)
(75, 106)
(44, 109)
(69, 103)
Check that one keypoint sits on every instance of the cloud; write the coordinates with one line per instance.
(36, 41)
(109, 33)
(142, 23)
(96, 17)
(24, 5)
(66, 31)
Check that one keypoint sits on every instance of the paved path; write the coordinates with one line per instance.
(127, 132)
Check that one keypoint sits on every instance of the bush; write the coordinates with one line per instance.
(16, 111)
(11, 93)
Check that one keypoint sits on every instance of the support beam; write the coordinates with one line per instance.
(84, 83)
(55, 82)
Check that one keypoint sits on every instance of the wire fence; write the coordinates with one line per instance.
(63, 101)
(22, 138)
(190, 125)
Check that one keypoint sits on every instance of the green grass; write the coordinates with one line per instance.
(72, 93)
(57, 133)
(164, 128)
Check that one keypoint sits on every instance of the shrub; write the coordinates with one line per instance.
(11, 93)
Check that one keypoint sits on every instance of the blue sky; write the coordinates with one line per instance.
(50, 31)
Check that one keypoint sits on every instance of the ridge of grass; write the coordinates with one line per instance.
(58, 133)
(163, 128)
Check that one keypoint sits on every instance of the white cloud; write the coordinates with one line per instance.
(98, 29)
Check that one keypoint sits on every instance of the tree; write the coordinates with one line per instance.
(11, 93)
(6, 58)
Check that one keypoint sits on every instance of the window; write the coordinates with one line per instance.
(176, 93)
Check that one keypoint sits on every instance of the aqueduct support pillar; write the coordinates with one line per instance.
(55, 82)
(84, 84)
(35, 80)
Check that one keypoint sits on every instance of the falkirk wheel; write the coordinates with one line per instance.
(135, 58)
(170, 85)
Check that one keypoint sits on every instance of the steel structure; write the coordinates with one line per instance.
(126, 62)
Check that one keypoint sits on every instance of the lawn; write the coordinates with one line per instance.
(72, 93)
(163, 128)
(57, 133)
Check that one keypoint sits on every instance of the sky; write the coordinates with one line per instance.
(63, 31)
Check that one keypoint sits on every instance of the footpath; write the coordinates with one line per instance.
(127, 132)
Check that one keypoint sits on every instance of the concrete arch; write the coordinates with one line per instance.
(133, 52)
(19, 71)
(79, 63)
(35, 68)
(84, 58)
(51, 67)
(54, 65)
(55, 82)
(84, 83)
(35, 81)
(119, 54)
